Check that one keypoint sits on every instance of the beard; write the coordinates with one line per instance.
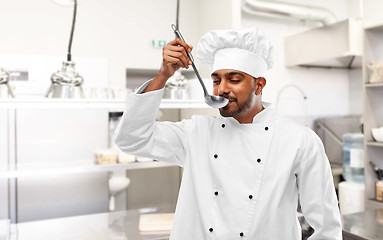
(237, 109)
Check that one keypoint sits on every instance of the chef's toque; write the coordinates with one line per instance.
(246, 50)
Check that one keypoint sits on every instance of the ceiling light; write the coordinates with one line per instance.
(66, 83)
(5, 90)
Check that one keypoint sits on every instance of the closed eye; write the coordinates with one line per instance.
(216, 81)
(235, 80)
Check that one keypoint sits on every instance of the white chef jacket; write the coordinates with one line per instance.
(240, 181)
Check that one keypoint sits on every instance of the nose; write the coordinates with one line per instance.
(223, 87)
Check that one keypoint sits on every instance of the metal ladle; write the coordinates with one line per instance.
(211, 100)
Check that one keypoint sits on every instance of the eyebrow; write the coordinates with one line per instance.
(235, 73)
(214, 74)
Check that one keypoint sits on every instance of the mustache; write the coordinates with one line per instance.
(230, 98)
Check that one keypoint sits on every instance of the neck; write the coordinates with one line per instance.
(249, 115)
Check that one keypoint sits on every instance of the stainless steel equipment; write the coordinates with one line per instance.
(176, 87)
(66, 83)
(337, 45)
(211, 100)
(65, 138)
(5, 90)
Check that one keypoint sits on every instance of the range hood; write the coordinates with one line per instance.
(337, 45)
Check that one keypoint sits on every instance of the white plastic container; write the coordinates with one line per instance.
(351, 197)
(353, 158)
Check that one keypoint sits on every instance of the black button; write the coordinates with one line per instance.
(210, 229)
(216, 193)
(223, 125)
(241, 234)
(259, 160)
(215, 156)
(251, 196)
(266, 128)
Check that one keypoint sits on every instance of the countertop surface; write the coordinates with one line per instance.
(364, 225)
(121, 225)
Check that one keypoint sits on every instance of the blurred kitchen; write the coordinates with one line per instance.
(61, 175)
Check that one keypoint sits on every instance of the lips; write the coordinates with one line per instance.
(231, 99)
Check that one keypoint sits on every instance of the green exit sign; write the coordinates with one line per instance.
(159, 43)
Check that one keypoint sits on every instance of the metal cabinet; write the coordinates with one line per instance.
(47, 136)
(46, 160)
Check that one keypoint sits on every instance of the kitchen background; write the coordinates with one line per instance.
(117, 45)
(110, 38)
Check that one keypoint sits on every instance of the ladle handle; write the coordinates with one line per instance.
(199, 79)
(179, 35)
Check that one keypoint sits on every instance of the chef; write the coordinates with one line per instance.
(243, 170)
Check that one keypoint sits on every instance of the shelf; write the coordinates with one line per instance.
(377, 26)
(374, 144)
(375, 203)
(373, 112)
(70, 167)
(374, 200)
(93, 104)
(372, 85)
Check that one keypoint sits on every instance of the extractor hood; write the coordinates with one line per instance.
(337, 45)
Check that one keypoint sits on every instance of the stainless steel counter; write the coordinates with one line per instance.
(121, 225)
(366, 225)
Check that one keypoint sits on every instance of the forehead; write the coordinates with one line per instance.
(228, 73)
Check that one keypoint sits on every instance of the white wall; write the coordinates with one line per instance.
(327, 89)
(372, 10)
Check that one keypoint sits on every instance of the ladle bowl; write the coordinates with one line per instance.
(216, 101)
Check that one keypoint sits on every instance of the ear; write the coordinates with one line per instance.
(260, 83)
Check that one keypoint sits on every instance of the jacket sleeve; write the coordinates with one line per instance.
(318, 199)
(139, 134)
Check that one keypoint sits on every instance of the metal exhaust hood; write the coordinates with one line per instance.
(337, 45)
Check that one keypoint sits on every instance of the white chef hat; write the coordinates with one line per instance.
(246, 50)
